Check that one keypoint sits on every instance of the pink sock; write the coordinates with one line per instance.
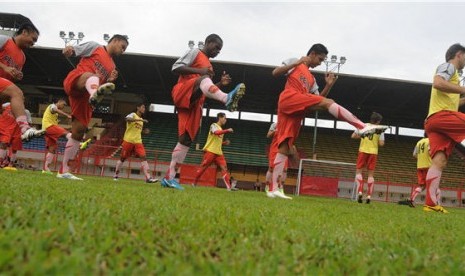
(227, 180)
(279, 163)
(2, 153)
(359, 181)
(268, 176)
(433, 178)
(48, 159)
(22, 122)
(145, 169)
(415, 193)
(212, 91)
(92, 84)
(71, 150)
(119, 163)
(370, 182)
(177, 157)
(341, 113)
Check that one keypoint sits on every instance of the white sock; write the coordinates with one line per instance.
(343, 114)
(279, 163)
(145, 169)
(119, 163)
(48, 159)
(22, 122)
(177, 157)
(212, 91)
(92, 84)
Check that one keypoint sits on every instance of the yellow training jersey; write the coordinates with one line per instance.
(370, 143)
(441, 100)
(133, 130)
(50, 117)
(422, 153)
(214, 142)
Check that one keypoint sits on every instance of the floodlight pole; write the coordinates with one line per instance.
(331, 66)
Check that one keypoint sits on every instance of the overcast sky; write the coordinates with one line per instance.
(390, 40)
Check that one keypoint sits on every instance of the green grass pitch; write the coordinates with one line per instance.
(97, 226)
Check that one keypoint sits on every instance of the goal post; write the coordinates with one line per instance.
(326, 178)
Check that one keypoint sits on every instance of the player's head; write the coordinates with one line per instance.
(221, 118)
(118, 44)
(317, 54)
(213, 45)
(376, 118)
(26, 35)
(60, 103)
(140, 108)
(457, 52)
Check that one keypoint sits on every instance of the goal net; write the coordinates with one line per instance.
(326, 178)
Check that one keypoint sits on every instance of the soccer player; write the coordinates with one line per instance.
(214, 150)
(445, 125)
(194, 84)
(86, 86)
(271, 157)
(53, 131)
(10, 137)
(12, 60)
(299, 97)
(367, 157)
(422, 153)
(132, 143)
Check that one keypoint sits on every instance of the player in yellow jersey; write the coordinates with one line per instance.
(445, 125)
(214, 150)
(52, 130)
(132, 143)
(422, 153)
(367, 157)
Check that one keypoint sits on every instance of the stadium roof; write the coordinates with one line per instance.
(12, 20)
(402, 103)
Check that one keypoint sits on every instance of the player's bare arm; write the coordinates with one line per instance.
(15, 73)
(330, 80)
(281, 70)
(113, 76)
(63, 113)
(68, 51)
(441, 84)
(225, 80)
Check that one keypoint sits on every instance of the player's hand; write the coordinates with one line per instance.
(14, 73)
(113, 76)
(230, 130)
(69, 116)
(145, 121)
(68, 51)
(225, 79)
(330, 79)
(226, 142)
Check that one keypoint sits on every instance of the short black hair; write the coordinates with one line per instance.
(60, 99)
(119, 37)
(318, 49)
(376, 117)
(28, 26)
(139, 104)
(453, 50)
(212, 38)
(220, 115)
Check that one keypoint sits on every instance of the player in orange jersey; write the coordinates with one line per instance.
(10, 136)
(194, 84)
(367, 157)
(299, 97)
(12, 60)
(445, 125)
(85, 86)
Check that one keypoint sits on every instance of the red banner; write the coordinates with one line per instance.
(188, 172)
(320, 186)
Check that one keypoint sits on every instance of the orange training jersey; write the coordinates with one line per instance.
(50, 117)
(193, 58)
(10, 55)
(133, 130)
(98, 61)
(300, 79)
(441, 100)
(7, 118)
(214, 142)
(421, 151)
